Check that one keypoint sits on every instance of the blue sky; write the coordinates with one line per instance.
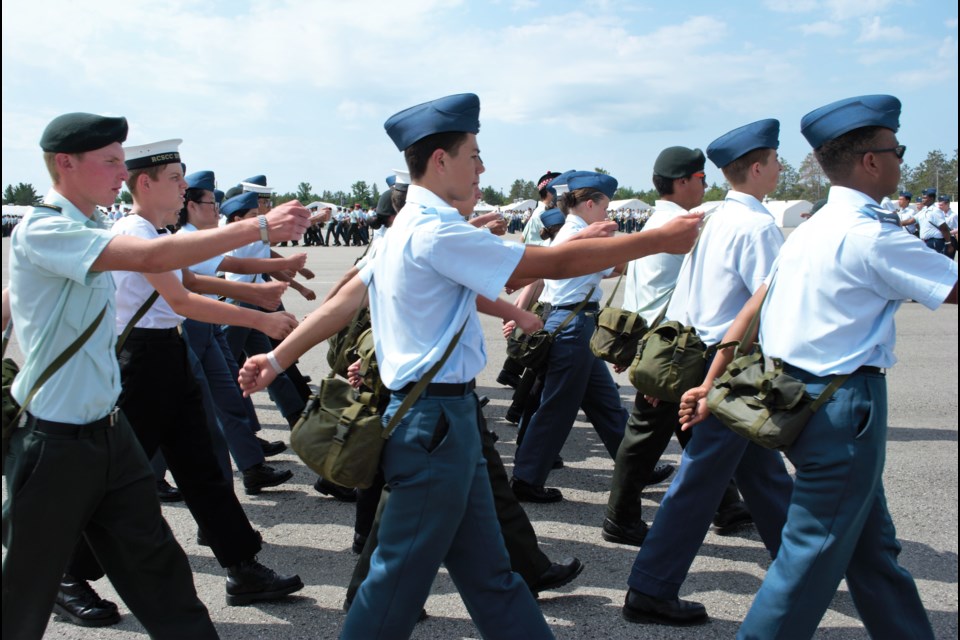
(299, 89)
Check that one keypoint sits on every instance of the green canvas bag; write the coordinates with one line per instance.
(339, 344)
(532, 350)
(617, 333)
(341, 436)
(764, 405)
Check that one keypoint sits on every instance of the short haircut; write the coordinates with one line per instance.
(571, 199)
(664, 186)
(736, 171)
(151, 172)
(418, 154)
(838, 157)
(50, 159)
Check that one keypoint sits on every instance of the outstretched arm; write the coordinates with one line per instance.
(258, 372)
(128, 253)
(197, 307)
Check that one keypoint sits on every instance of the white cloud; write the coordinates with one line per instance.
(874, 30)
(822, 28)
(792, 6)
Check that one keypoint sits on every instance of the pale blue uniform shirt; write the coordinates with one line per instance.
(424, 284)
(650, 280)
(735, 253)
(929, 219)
(54, 297)
(840, 279)
(209, 267)
(258, 249)
(572, 290)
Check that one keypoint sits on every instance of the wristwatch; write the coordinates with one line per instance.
(262, 220)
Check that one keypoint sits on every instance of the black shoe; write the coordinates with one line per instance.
(271, 448)
(78, 603)
(633, 535)
(167, 492)
(508, 379)
(513, 416)
(260, 476)
(250, 582)
(660, 473)
(559, 574)
(526, 492)
(335, 491)
(557, 464)
(359, 541)
(639, 607)
(731, 518)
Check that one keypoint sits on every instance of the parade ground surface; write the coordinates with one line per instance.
(312, 534)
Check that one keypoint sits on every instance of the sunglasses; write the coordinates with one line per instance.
(898, 151)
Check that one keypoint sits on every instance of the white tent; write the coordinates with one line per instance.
(632, 203)
(483, 207)
(319, 204)
(788, 213)
(523, 205)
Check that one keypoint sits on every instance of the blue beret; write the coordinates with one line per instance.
(552, 217)
(837, 118)
(204, 180)
(259, 180)
(763, 134)
(218, 195)
(459, 112)
(930, 191)
(906, 194)
(80, 132)
(944, 198)
(391, 179)
(603, 183)
(560, 182)
(239, 204)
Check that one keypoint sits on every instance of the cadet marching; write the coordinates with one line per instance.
(79, 475)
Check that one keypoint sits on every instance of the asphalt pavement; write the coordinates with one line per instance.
(312, 534)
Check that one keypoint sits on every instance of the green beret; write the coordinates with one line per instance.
(679, 162)
(79, 132)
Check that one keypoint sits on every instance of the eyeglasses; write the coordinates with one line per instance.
(701, 175)
(898, 151)
(213, 202)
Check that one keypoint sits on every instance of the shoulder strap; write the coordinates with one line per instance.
(60, 360)
(136, 318)
(422, 384)
(615, 287)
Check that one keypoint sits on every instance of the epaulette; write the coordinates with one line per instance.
(881, 214)
(47, 205)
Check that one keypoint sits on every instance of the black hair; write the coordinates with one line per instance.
(837, 157)
(418, 154)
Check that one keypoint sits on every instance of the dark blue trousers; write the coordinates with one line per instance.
(838, 525)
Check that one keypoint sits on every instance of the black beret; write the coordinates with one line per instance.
(233, 191)
(79, 132)
(679, 162)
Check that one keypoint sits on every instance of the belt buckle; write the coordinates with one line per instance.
(113, 417)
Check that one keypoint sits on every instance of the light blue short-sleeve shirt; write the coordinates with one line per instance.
(735, 253)
(54, 297)
(424, 284)
(839, 280)
(573, 290)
